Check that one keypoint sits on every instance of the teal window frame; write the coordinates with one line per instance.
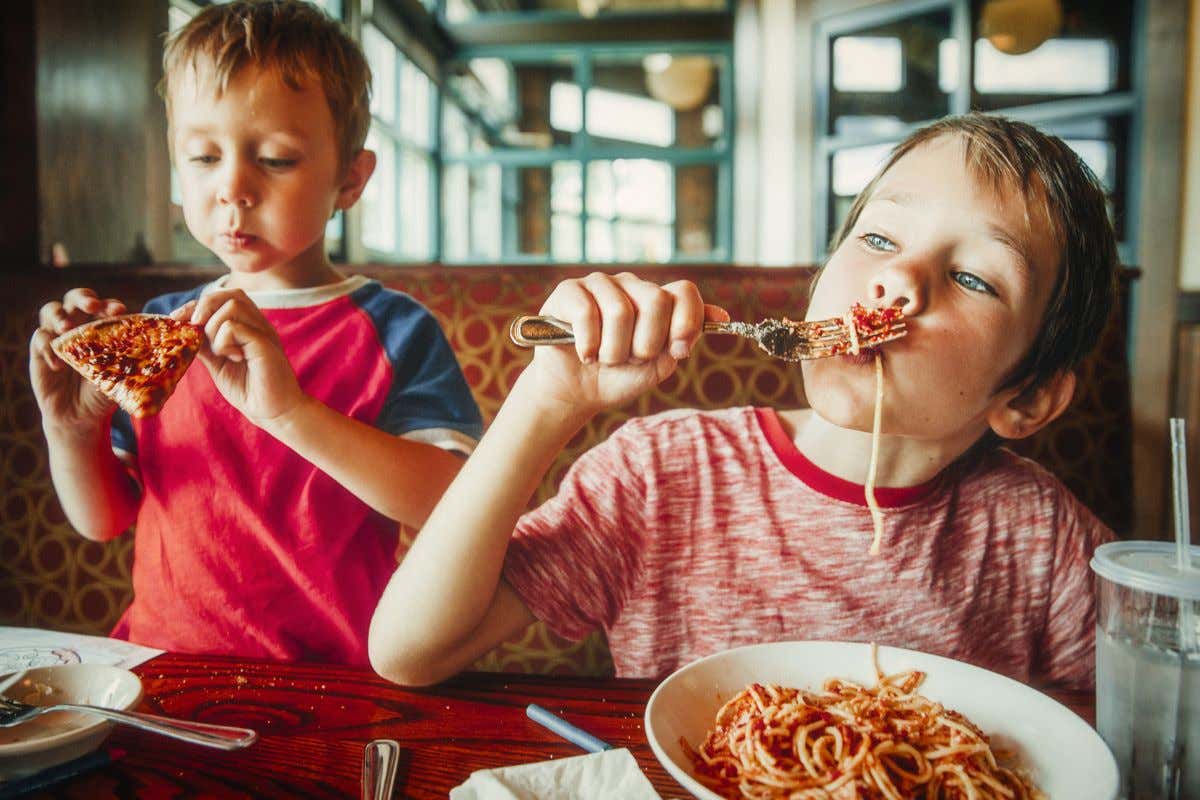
(584, 151)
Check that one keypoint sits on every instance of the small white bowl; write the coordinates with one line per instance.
(59, 736)
(1064, 755)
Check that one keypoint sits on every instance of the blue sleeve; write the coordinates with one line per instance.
(123, 437)
(428, 388)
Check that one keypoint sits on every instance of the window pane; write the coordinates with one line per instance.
(416, 98)
(850, 170)
(379, 197)
(515, 101)
(631, 210)
(868, 64)
(542, 196)
(631, 188)
(1023, 58)
(471, 208)
(381, 56)
(695, 210)
(1103, 144)
(416, 172)
(659, 99)
(888, 75)
(466, 10)
(456, 131)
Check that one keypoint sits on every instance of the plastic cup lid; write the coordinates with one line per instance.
(1150, 567)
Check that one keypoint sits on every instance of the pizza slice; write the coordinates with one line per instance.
(134, 359)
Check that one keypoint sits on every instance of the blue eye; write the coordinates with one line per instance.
(877, 242)
(278, 163)
(203, 159)
(972, 282)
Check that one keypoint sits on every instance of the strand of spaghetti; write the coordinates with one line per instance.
(876, 429)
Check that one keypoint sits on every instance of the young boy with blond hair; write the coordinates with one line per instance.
(266, 492)
(690, 532)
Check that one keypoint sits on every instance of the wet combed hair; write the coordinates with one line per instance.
(1059, 187)
(294, 38)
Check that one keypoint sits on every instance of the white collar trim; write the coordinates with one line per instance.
(296, 298)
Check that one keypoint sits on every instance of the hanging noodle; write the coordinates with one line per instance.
(876, 430)
(850, 742)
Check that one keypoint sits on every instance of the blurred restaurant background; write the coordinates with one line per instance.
(722, 133)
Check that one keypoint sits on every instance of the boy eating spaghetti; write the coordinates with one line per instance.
(265, 491)
(690, 532)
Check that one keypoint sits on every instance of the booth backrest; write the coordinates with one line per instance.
(52, 578)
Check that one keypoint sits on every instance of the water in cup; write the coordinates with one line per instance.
(1148, 668)
(1148, 711)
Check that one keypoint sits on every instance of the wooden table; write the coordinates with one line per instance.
(314, 719)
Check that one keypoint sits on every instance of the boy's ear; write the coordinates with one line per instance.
(1027, 411)
(357, 174)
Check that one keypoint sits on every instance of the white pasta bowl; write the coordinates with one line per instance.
(58, 736)
(1065, 757)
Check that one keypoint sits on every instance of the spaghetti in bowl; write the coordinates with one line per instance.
(1044, 741)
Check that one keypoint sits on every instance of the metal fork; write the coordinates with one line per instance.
(781, 338)
(223, 737)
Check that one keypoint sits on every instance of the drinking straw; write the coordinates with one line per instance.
(1179, 482)
(1183, 530)
(566, 730)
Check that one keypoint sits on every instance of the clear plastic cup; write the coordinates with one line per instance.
(1148, 668)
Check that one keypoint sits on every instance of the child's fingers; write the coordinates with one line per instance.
(572, 303)
(233, 310)
(184, 312)
(687, 317)
(82, 299)
(617, 318)
(652, 325)
(40, 350)
(230, 339)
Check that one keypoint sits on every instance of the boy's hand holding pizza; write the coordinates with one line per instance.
(243, 354)
(67, 401)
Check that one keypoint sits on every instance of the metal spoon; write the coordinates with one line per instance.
(380, 759)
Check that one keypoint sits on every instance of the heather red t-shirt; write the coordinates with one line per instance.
(689, 532)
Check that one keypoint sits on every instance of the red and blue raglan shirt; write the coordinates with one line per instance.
(244, 547)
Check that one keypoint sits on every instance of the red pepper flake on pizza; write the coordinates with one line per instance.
(136, 360)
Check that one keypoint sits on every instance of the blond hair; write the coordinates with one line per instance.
(1052, 179)
(294, 38)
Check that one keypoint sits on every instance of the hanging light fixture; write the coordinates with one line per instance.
(682, 82)
(1019, 26)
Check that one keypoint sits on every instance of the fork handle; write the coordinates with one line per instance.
(532, 330)
(222, 737)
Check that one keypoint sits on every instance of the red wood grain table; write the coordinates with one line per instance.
(314, 719)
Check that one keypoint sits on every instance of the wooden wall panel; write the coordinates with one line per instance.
(97, 113)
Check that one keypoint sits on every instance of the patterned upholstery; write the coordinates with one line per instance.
(52, 578)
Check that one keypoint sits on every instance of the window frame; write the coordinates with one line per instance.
(583, 150)
(963, 16)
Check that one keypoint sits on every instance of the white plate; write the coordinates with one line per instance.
(1065, 756)
(59, 736)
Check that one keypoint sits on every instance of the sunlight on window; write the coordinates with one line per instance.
(868, 64)
(1060, 66)
(381, 56)
(612, 115)
(1097, 155)
(416, 99)
(853, 168)
(630, 205)
(379, 198)
(416, 172)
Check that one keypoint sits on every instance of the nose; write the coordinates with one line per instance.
(236, 186)
(901, 283)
